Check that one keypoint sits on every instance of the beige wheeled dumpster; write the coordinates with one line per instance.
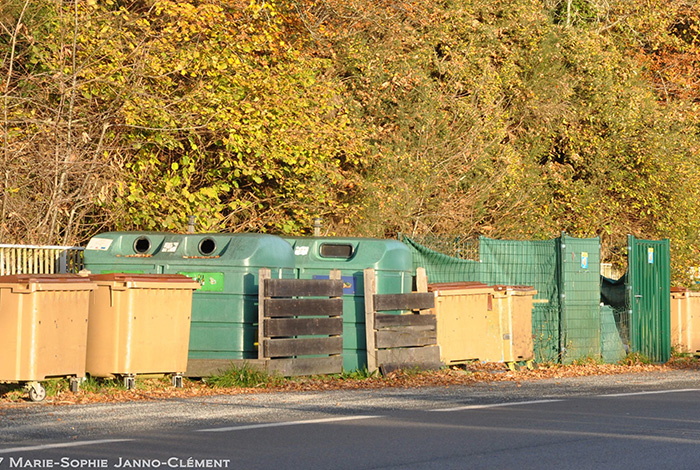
(43, 329)
(467, 328)
(685, 320)
(484, 323)
(139, 324)
(514, 306)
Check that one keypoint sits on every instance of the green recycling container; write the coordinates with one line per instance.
(225, 308)
(391, 260)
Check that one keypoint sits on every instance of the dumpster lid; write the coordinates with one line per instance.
(500, 287)
(42, 278)
(455, 286)
(138, 277)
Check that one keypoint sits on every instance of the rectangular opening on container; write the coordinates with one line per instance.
(336, 250)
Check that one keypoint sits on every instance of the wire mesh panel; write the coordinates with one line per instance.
(442, 267)
(613, 295)
(613, 345)
(505, 262)
(531, 263)
(455, 247)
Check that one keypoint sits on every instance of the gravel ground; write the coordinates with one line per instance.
(21, 423)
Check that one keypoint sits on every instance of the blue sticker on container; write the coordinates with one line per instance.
(348, 283)
(650, 255)
(584, 260)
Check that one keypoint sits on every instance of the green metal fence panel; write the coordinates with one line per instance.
(532, 263)
(579, 290)
(649, 297)
(565, 271)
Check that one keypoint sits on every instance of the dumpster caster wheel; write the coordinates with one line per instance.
(130, 382)
(177, 381)
(37, 392)
(74, 384)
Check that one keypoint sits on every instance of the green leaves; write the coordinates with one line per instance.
(512, 120)
(238, 126)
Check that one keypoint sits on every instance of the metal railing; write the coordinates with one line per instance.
(37, 259)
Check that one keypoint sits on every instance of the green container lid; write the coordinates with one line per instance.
(351, 253)
(117, 249)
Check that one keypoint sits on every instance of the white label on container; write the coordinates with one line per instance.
(301, 250)
(170, 247)
(100, 244)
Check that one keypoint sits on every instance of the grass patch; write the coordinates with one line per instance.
(635, 358)
(13, 392)
(55, 386)
(95, 385)
(678, 353)
(588, 361)
(358, 374)
(412, 372)
(244, 376)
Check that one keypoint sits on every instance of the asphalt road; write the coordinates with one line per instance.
(636, 421)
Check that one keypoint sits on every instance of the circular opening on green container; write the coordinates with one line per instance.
(207, 246)
(142, 245)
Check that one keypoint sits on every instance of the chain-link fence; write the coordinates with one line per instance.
(565, 271)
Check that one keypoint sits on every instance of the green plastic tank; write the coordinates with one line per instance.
(224, 309)
(391, 260)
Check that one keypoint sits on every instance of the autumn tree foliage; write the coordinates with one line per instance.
(136, 115)
(520, 119)
(233, 124)
(515, 119)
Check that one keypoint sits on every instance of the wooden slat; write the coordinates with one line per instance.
(303, 307)
(427, 357)
(405, 337)
(304, 288)
(263, 278)
(303, 346)
(303, 326)
(388, 321)
(370, 282)
(421, 280)
(397, 329)
(306, 366)
(408, 301)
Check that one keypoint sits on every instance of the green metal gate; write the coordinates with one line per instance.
(579, 288)
(649, 297)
